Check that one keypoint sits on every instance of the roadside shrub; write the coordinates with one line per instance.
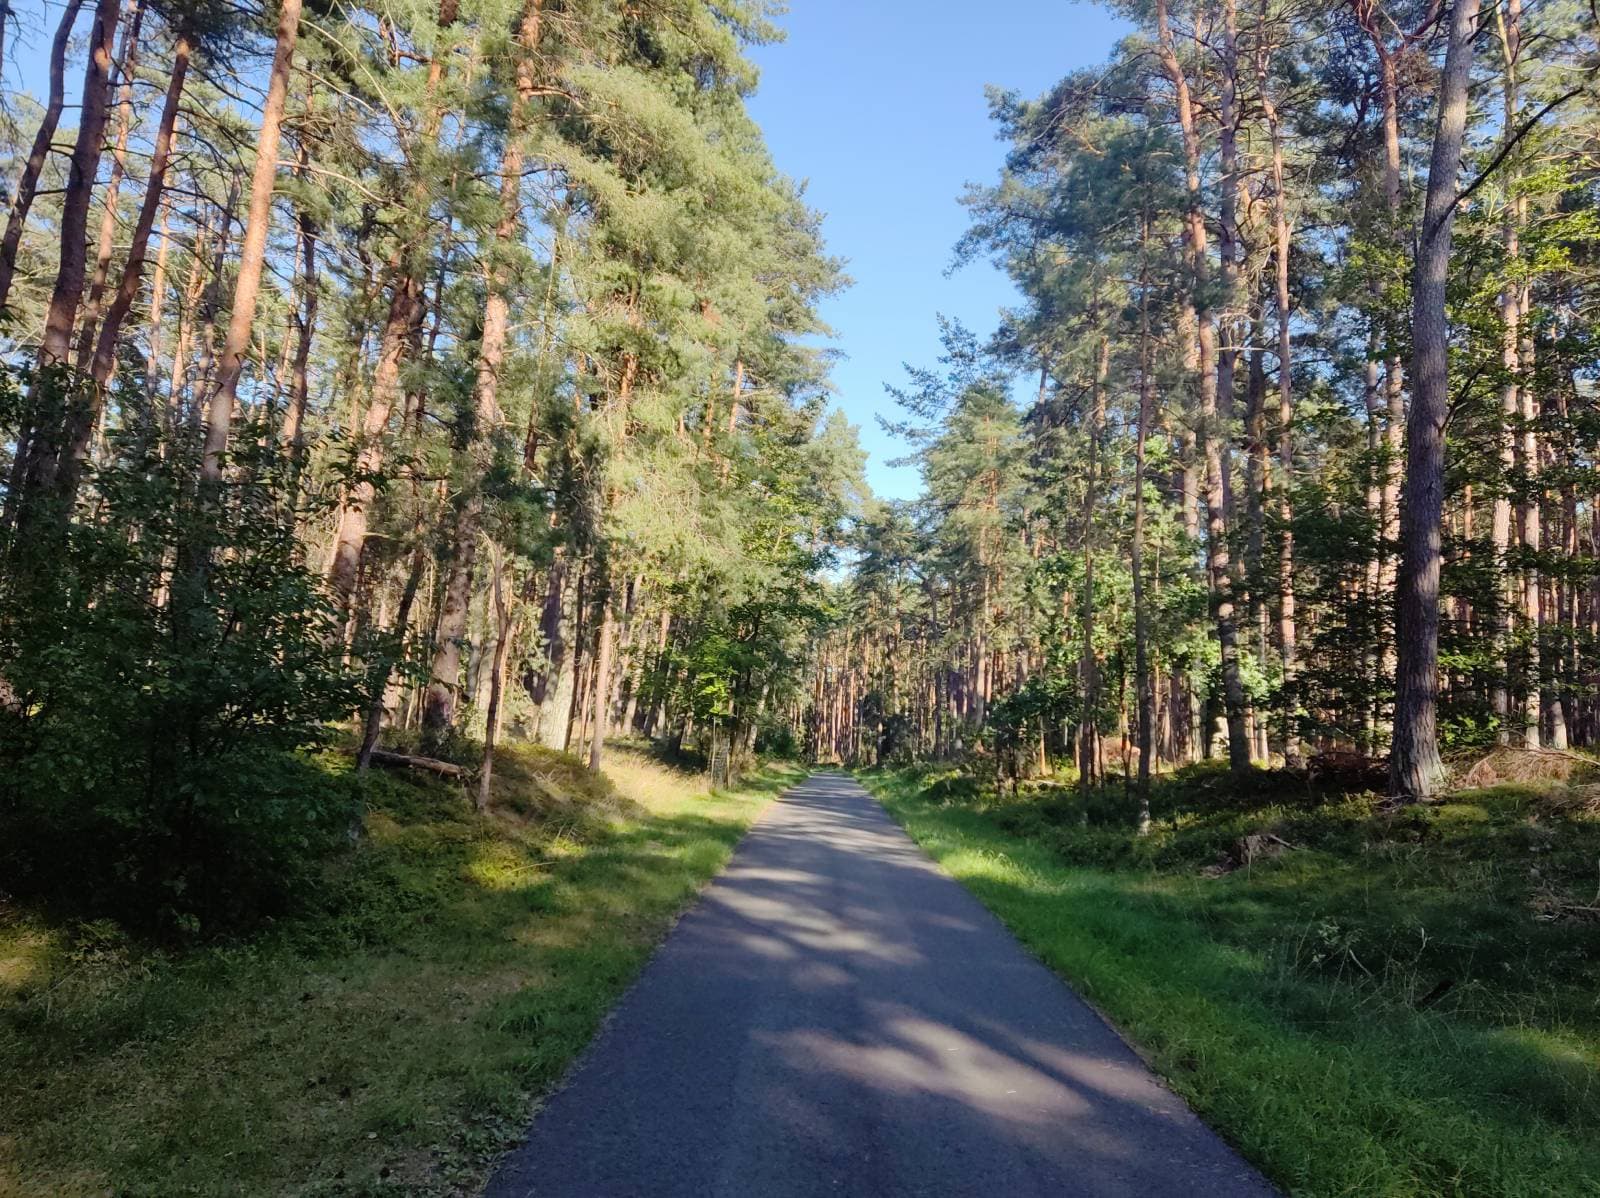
(776, 738)
(953, 788)
(161, 670)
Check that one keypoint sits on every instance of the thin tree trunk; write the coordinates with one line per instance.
(294, 422)
(438, 712)
(128, 287)
(497, 673)
(1143, 688)
(1532, 605)
(1500, 531)
(28, 184)
(602, 676)
(193, 297)
(158, 303)
(1088, 679)
(39, 459)
(1196, 299)
(406, 304)
(119, 165)
(1287, 631)
(402, 622)
(252, 253)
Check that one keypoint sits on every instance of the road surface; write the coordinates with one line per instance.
(835, 1016)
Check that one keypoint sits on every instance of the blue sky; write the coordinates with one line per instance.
(880, 105)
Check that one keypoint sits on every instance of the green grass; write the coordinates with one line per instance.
(396, 1039)
(1287, 999)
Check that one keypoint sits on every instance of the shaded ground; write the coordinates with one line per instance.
(838, 1017)
(393, 1038)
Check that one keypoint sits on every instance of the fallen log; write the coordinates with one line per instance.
(448, 768)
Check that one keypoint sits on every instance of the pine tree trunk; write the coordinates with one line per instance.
(294, 421)
(38, 458)
(344, 563)
(1415, 771)
(187, 307)
(253, 250)
(104, 359)
(602, 681)
(1197, 301)
(28, 184)
(555, 716)
(1393, 406)
(439, 709)
(1088, 672)
(1287, 631)
(406, 311)
(1510, 411)
(1143, 688)
(1532, 606)
(1288, 634)
(119, 164)
(158, 304)
(378, 704)
(497, 673)
(439, 704)
(105, 351)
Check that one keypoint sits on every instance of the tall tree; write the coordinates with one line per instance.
(27, 185)
(1415, 770)
(253, 249)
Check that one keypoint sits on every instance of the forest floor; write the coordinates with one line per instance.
(397, 1039)
(1363, 1003)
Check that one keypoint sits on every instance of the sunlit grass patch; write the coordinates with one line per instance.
(396, 1039)
(1382, 1010)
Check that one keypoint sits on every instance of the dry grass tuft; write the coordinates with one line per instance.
(1526, 767)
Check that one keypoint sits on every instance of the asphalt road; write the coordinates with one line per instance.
(837, 1017)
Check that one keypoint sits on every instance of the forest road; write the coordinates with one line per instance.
(835, 1016)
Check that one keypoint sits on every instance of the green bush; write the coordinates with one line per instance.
(163, 668)
(953, 788)
(776, 737)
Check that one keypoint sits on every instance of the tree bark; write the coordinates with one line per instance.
(158, 303)
(439, 708)
(1500, 532)
(395, 344)
(380, 680)
(294, 432)
(119, 165)
(1197, 301)
(1287, 629)
(1532, 589)
(1088, 671)
(128, 287)
(497, 673)
(1415, 771)
(252, 252)
(36, 467)
(1143, 687)
(28, 184)
(602, 678)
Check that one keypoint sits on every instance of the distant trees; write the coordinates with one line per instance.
(1225, 265)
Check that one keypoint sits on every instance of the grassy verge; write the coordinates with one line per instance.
(397, 1038)
(1396, 1005)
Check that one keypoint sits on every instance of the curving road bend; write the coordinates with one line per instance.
(835, 1016)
